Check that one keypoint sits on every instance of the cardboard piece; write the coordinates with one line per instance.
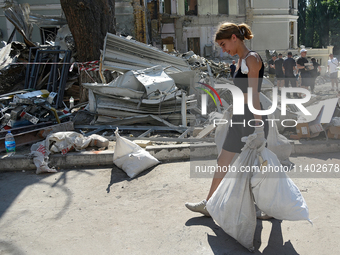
(334, 132)
(322, 113)
(302, 130)
(312, 128)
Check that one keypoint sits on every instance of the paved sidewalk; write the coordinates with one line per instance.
(102, 211)
(21, 160)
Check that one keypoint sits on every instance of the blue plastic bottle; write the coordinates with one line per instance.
(10, 142)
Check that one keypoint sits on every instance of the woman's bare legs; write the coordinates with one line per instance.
(224, 160)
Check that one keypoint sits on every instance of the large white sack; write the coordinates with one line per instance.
(131, 157)
(232, 205)
(275, 193)
(277, 143)
(65, 141)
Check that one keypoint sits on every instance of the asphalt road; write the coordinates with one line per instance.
(102, 211)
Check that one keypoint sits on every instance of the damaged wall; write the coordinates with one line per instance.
(201, 28)
(274, 23)
(50, 8)
(124, 12)
(139, 17)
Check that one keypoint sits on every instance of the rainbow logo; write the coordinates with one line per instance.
(208, 92)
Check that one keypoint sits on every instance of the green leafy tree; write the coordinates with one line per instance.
(302, 6)
(318, 23)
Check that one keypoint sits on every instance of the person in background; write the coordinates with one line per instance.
(314, 73)
(333, 71)
(289, 66)
(303, 68)
(279, 72)
(232, 69)
(271, 67)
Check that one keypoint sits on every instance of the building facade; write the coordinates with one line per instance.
(191, 24)
(186, 25)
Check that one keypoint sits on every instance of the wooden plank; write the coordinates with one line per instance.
(206, 131)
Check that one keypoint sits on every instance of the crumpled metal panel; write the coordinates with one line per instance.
(122, 54)
(5, 58)
(156, 82)
(64, 39)
(107, 89)
(153, 83)
(18, 15)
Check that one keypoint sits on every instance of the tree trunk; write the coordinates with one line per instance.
(89, 21)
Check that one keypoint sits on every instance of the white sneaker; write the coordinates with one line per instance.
(198, 207)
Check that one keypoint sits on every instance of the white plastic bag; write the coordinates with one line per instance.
(62, 142)
(277, 143)
(65, 141)
(40, 154)
(275, 193)
(232, 205)
(131, 157)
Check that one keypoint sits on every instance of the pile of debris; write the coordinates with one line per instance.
(24, 111)
(154, 89)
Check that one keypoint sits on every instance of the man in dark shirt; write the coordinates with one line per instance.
(289, 66)
(301, 64)
(271, 67)
(232, 68)
(279, 71)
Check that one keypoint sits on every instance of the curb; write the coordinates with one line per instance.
(161, 152)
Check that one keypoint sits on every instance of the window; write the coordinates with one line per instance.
(190, 7)
(223, 6)
(291, 25)
(291, 35)
(242, 7)
(291, 4)
(194, 45)
(166, 6)
(168, 44)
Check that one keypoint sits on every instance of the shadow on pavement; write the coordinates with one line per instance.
(222, 243)
(8, 248)
(10, 188)
(118, 175)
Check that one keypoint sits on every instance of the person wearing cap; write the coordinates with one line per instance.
(289, 65)
(333, 71)
(302, 66)
(279, 72)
